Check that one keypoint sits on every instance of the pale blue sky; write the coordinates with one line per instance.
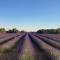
(29, 15)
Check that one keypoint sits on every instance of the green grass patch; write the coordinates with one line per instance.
(26, 55)
(7, 50)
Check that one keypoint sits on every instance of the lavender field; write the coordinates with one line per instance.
(29, 46)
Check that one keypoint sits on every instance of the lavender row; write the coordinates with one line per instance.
(7, 38)
(50, 51)
(55, 37)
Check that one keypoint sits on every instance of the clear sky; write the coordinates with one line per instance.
(29, 15)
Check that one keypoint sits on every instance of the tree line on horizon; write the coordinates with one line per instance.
(41, 31)
(49, 31)
(14, 30)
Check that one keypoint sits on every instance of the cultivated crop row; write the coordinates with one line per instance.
(10, 49)
(7, 37)
(55, 37)
(53, 53)
(28, 46)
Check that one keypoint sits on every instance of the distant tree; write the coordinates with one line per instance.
(41, 31)
(58, 30)
(9, 31)
(22, 31)
(14, 30)
(49, 31)
(2, 29)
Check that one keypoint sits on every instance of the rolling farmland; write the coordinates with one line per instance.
(29, 46)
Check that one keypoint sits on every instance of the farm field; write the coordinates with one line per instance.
(29, 46)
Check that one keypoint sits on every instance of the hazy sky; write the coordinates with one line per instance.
(29, 14)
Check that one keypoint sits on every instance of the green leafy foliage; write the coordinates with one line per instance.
(14, 30)
(49, 31)
(2, 29)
